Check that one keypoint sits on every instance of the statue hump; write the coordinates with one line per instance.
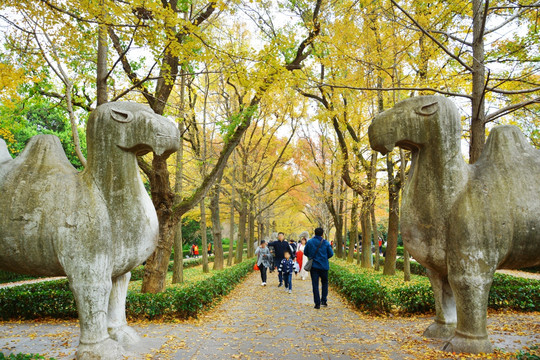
(45, 151)
(506, 145)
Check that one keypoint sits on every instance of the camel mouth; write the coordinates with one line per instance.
(383, 148)
(138, 150)
(408, 145)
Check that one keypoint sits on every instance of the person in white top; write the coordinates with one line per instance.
(300, 257)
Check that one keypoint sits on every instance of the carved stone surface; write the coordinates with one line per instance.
(94, 226)
(462, 222)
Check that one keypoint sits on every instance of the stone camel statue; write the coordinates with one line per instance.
(461, 221)
(93, 226)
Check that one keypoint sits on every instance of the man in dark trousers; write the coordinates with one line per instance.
(280, 246)
(320, 251)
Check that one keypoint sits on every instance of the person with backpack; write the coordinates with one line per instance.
(318, 251)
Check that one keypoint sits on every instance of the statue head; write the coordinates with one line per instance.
(131, 127)
(413, 123)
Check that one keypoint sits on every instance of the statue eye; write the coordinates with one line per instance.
(428, 110)
(121, 116)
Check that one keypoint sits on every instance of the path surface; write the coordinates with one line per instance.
(256, 322)
(521, 274)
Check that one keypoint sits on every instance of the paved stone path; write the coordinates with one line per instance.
(256, 322)
(521, 274)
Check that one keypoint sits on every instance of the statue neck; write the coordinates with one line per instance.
(116, 174)
(439, 168)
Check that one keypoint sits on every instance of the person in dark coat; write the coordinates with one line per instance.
(292, 248)
(280, 246)
(286, 269)
(320, 266)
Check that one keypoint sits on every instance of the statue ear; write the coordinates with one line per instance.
(121, 116)
(429, 109)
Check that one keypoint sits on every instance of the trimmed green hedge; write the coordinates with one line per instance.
(7, 277)
(362, 291)
(22, 357)
(507, 292)
(188, 301)
(54, 298)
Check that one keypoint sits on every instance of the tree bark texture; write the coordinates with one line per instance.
(366, 235)
(375, 236)
(241, 232)
(204, 239)
(102, 70)
(216, 226)
(178, 245)
(353, 236)
(251, 233)
(406, 266)
(478, 117)
(231, 218)
(155, 270)
(393, 219)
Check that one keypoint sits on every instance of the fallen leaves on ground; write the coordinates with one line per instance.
(255, 322)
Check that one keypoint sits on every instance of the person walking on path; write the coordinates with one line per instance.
(286, 269)
(195, 250)
(320, 251)
(301, 258)
(264, 260)
(280, 246)
(292, 248)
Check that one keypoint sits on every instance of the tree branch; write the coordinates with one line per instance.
(439, 44)
(511, 108)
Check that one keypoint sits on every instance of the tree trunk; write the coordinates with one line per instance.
(178, 265)
(241, 233)
(406, 266)
(366, 235)
(204, 240)
(231, 219)
(216, 227)
(73, 122)
(155, 270)
(375, 235)
(478, 121)
(344, 214)
(339, 237)
(101, 75)
(393, 219)
(353, 236)
(359, 248)
(251, 233)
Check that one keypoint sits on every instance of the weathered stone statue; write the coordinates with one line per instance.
(94, 226)
(462, 222)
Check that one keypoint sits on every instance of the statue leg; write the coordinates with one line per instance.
(91, 290)
(445, 306)
(471, 286)
(117, 324)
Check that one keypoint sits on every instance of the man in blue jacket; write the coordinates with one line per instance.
(320, 251)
